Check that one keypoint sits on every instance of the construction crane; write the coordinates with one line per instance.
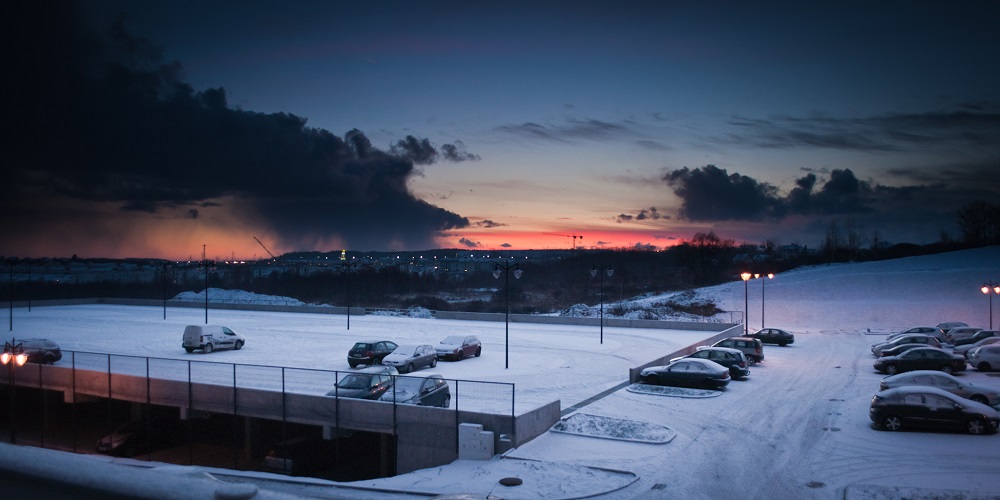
(264, 247)
(574, 236)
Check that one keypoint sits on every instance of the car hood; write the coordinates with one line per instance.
(349, 393)
(401, 396)
(396, 358)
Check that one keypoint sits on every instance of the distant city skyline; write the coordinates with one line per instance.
(150, 129)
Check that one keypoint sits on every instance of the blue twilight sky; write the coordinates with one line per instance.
(501, 125)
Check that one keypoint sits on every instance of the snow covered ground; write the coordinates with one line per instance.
(798, 428)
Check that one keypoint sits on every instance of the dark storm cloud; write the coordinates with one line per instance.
(972, 125)
(650, 213)
(488, 224)
(710, 193)
(104, 119)
(456, 152)
(469, 243)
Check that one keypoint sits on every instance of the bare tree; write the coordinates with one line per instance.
(980, 223)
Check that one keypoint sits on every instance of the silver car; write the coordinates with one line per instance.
(933, 378)
(407, 358)
(985, 358)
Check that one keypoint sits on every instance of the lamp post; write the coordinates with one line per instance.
(986, 289)
(599, 271)
(746, 300)
(206, 264)
(505, 269)
(347, 269)
(163, 277)
(762, 281)
(13, 354)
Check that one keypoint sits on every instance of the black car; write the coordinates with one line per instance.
(369, 383)
(137, 437)
(920, 358)
(932, 408)
(774, 336)
(687, 372)
(734, 359)
(425, 390)
(899, 349)
(42, 351)
(370, 352)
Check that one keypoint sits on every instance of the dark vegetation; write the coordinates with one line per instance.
(551, 280)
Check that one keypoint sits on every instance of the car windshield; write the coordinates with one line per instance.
(454, 339)
(355, 381)
(408, 384)
(361, 345)
(405, 350)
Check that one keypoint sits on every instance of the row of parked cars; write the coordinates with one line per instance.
(714, 366)
(921, 392)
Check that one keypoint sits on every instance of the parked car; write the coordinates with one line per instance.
(687, 372)
(774, 336)
(948, 325)
(367, 383)
(369, 352)
(407, 358)
(137, 437)
(964, 350)
(899, 349)
(930, 378)
(985, 358)
(921, 358)
(301, 455)
(929, 407)
(752, 348)
(211, 337)
(976, 337)
(913, 338)
(734, 359)
(428, 389)
(961, 332)
(458, 347)
(41, 351)
(933, 331)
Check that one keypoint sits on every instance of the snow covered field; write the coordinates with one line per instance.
(798, 428)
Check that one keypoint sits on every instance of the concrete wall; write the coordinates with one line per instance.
(733, 331)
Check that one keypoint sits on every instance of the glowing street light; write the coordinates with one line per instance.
(746, 300)
(599, 270)
(13, 354)
(986, 288)
(505, 270)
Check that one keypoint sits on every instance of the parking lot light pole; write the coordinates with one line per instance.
(13, 354)
(505, 269)
(988, 287)
(600, 270)
(762, 281)
(746, 300)
(347, 269)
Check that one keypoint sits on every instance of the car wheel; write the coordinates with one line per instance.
(207, 348)
(189, 349)
(983, 366)
(782, 344)
(353, 364)
(409, 368)
(976, 426)
(751, 360)
(707, 384)
(447, 402)
(892, 423)
(979, 398)
(434, 362)
(239, 345)
(948, 369)
(479, 350)
(459, 356)
(48, 360)
(891, 370)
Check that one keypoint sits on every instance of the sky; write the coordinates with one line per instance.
(156, 129)
(799, 423)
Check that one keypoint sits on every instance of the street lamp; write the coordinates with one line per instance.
(746, 300)
(505, 270)
(599, 270)
(762, 280)
(987, 287)
(347, 269)
(13, 353)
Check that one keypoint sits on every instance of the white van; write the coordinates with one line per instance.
(210, 337)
